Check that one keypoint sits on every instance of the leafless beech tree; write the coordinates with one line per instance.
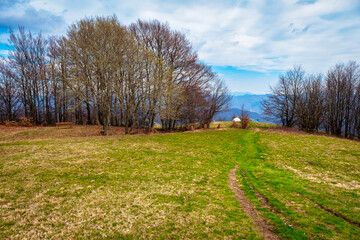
(352, 79)
(174, 59)
(309, 109)
(281, 105)
(335, 99)
(92, 47)
(219, 99)
(196, 106)
(28, 61)
(155, 36)
(356, 113)
(53, 74)
(340, 104)
(9, 95)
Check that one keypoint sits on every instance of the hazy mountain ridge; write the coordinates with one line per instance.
(235, 112)
(251, 103)
(240, 93)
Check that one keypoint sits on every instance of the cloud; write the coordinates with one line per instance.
(21, 12)
(4, 53)
(265, 37)
(304, 2)
(256, 35)
(3, 39)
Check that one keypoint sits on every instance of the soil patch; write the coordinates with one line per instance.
(249, 208)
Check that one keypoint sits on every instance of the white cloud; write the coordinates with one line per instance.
(4, 37)
(21, 13)
(4, 53)
(252, 35)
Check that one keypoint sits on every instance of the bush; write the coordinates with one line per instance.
(8, 123)
(245, 120)
(23, 121)
(234, 125)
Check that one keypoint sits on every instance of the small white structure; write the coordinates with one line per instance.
(236, 119)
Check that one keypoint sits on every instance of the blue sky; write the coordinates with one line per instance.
(248, 42)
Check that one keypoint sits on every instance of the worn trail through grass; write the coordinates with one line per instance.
(297, 206)
(260, 222)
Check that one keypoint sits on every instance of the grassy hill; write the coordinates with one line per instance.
(54, 184)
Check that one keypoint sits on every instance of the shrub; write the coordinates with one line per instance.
(245, 120)
(234, 125)
(23, 121)
(8, 123)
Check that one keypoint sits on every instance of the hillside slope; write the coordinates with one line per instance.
(176, 185)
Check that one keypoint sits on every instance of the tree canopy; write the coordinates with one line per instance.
(102, 72)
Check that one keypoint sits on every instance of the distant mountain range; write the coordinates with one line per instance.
(240, 93)
(251, 103)
(235, 112)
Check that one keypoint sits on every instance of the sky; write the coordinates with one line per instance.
(249, 43)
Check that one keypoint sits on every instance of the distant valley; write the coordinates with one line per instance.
(251, 103)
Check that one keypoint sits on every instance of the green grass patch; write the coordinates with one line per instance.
(175, 185)
(297, 173)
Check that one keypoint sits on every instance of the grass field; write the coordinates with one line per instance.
(54, 184)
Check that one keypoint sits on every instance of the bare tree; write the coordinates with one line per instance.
(105, 73)
(9, 96)
(196, 106)
(310, 104)
(218, 99)
(173, 59)
(27, 58)
(92, 45)
(336, 85)
(356, 112)
(309, 109)
(352, 71)
(281, 105)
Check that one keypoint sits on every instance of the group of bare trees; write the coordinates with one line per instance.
(102, 72)
(329, 102)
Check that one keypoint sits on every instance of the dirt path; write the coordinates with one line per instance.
(249, 208)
